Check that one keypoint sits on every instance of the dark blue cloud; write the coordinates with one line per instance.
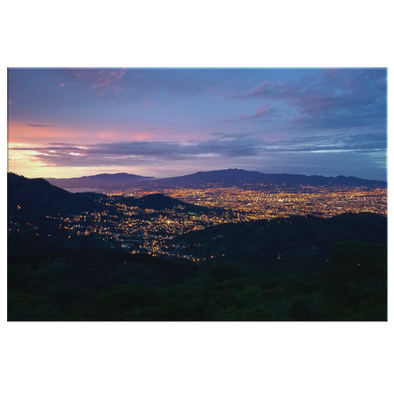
(331, 99)
(245, 146)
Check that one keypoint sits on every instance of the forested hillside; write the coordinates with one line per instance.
(86, 283)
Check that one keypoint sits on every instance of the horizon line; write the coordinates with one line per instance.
(225, 169)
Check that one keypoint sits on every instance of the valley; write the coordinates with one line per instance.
(201, 253)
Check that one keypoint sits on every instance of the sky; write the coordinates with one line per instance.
(163, 122)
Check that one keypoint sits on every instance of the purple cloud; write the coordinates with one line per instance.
(101, 81)
(258, 91)
(261, 112)
(335, 98)
(240, 146)
(299, 119)
(37, 125)
(105, 78)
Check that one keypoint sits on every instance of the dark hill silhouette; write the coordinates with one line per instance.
(108, 182)
(294, 236)
(159, 201)
(37, 197)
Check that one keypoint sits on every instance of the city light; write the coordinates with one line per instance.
(146, 230)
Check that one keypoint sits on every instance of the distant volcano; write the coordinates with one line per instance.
(236, 177)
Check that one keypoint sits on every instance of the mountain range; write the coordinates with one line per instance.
(220, 178)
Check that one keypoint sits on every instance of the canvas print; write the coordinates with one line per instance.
(197, 194)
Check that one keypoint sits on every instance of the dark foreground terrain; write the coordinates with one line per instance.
(293, 269)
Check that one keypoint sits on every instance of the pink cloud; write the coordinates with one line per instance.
(62, 85)
(143, 136)
(258, 90)
(148, 103)
(309, 99)
(298, 119)
(102, 79)
(314, 103)
(119, 74)
(33, 133)
(331, 72)
(119, 88)
(109, 135)
(262, 111)
(274, 137)
(107, 78)
(121, 135)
